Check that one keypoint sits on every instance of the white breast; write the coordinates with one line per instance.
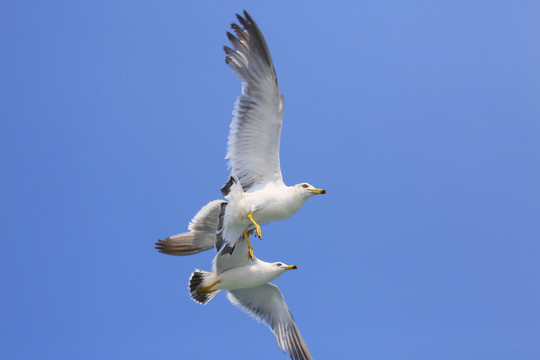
(276, 204)
(248, 276)
(272, 203)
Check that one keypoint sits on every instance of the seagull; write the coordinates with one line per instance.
(255, 193)
(248, 287)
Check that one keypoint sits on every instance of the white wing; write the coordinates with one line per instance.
(253, 144)
(231, 257)
(266, 303)
(201, 236)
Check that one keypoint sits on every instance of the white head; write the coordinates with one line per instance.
(307, 190)
(281, 267)
(270, 271)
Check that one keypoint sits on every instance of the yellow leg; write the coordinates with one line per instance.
(250, 251)
(208, 289)
(257, 227)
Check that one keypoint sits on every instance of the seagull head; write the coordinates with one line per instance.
(283, 267)
(308, 190)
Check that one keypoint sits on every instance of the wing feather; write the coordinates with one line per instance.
(201, 236)
(231, 257)
(254, 137)
(266, 303)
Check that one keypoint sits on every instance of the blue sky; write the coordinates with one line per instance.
(421, 119)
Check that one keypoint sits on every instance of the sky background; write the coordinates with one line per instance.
(421, 119)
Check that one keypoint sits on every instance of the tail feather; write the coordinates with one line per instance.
(202, 286)
(201, 236)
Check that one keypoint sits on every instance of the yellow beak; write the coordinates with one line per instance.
(291, 267)
(318, 191)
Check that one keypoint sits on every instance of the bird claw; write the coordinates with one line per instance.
(257, 227)
(208, 289)
(250, 248)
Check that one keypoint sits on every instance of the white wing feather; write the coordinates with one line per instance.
(224, 260)
(253, 144)
(266, 303)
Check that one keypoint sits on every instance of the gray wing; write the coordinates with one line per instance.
(231, 257)
(201, 236)
(253, 144)
(266, 303)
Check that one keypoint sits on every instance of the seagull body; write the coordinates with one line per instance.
(255, 193)
(247, 210)
(251, 274)
(246, 282)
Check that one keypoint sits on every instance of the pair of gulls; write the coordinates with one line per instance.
(255, 195)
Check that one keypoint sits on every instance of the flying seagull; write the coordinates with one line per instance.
(246, 282)
(255, 193)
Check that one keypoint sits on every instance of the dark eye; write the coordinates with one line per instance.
(279, 264)
(304, 186)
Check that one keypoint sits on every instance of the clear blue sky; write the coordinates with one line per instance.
(420, 118)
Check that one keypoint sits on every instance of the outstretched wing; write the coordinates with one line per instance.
(253, 144)
(201, 236)
(266, 304)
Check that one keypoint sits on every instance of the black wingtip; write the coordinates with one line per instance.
(227, 249)
(241, 20)
(226, 189)
(158, 245)
(230, 36)
(248, 17)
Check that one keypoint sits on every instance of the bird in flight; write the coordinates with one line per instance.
(248, 287)
(255, 193)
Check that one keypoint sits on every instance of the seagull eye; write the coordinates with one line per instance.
(279, 264)
(305, 186)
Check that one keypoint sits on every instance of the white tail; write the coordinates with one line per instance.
(201, 286)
